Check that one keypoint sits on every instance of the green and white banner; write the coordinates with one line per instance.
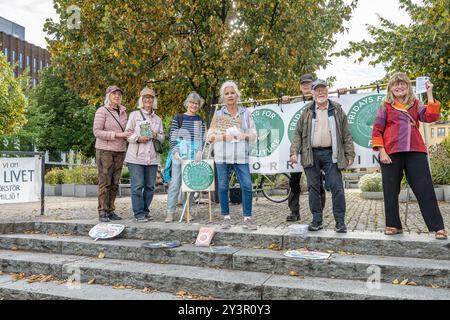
(276, 124)
(197, 176)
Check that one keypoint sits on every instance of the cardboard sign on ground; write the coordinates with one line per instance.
(205, 235)
(106, 231)
(162, 244)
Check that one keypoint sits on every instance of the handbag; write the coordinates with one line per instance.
(156, 143)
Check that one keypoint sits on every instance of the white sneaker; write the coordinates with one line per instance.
(169, 218)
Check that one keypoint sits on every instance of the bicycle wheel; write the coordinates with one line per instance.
(276, 187)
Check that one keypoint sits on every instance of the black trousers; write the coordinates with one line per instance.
(294, 196)
(417, 171)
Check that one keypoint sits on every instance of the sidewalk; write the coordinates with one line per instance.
(363, 215)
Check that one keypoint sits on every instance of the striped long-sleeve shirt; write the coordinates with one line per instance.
(396, 131)
(192, 132)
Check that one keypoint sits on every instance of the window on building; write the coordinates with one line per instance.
(34, 65)
(40, 62)
(34, 82)
(20, 60)
(441, 132)
(13, 57)
(47, 65)
(6, 53)
(28, 61)
(432, 132)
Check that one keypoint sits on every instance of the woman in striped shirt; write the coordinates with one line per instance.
(187, 137)
(402, 150)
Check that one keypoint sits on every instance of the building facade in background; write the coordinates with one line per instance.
(437, 131)
(20, 52)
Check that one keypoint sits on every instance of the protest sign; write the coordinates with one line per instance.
(20, 180)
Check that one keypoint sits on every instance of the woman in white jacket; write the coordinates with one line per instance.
(141, 158)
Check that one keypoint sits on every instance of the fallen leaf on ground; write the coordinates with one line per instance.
(342, 252)
(395, 281)
(274, 246)
(412, 283)
(293, 274)
(404, 282)
(91, 281)
(119, 286)
(434, 286)
(101, 255)
(17, 276)
(41, 278)
(330, 251)
(13, 248)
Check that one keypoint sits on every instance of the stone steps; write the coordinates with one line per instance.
(219, 283)
(364, 243)
(22, 290)
(246, 270)
(353, 267)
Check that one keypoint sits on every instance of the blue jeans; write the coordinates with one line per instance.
(245, 181)
(142, 182)
(174, 188)
(323, 161)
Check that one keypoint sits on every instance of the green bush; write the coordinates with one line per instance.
(440, 163)
(54, 176)
(80, 175)
(371, 183)
(125, 174)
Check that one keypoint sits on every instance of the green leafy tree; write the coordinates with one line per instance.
(13, 103)
(59, 119)
(184, 45)
(422, 48)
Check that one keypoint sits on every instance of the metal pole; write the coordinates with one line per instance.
(374, 86)
(42, 156)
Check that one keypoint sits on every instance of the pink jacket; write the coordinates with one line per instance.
(105, 129)
(143, 153)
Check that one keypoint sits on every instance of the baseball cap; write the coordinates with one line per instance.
(147, 91)
(306, 78)
(319, 82)
(111, 89)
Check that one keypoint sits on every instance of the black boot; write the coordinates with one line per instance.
(294, 216)
(113, 216)
(103, 217)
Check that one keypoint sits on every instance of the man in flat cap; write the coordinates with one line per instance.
(306, 81)
(323, 140)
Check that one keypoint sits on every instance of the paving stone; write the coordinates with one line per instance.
(361, 215)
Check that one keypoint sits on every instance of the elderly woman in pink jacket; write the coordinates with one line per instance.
(109, 131)
(142, 159)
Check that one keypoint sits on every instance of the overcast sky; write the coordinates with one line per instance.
(32, 14)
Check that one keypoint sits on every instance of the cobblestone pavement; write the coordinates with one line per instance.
(364, 215)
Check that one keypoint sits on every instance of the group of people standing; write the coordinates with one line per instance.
(322, 143)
